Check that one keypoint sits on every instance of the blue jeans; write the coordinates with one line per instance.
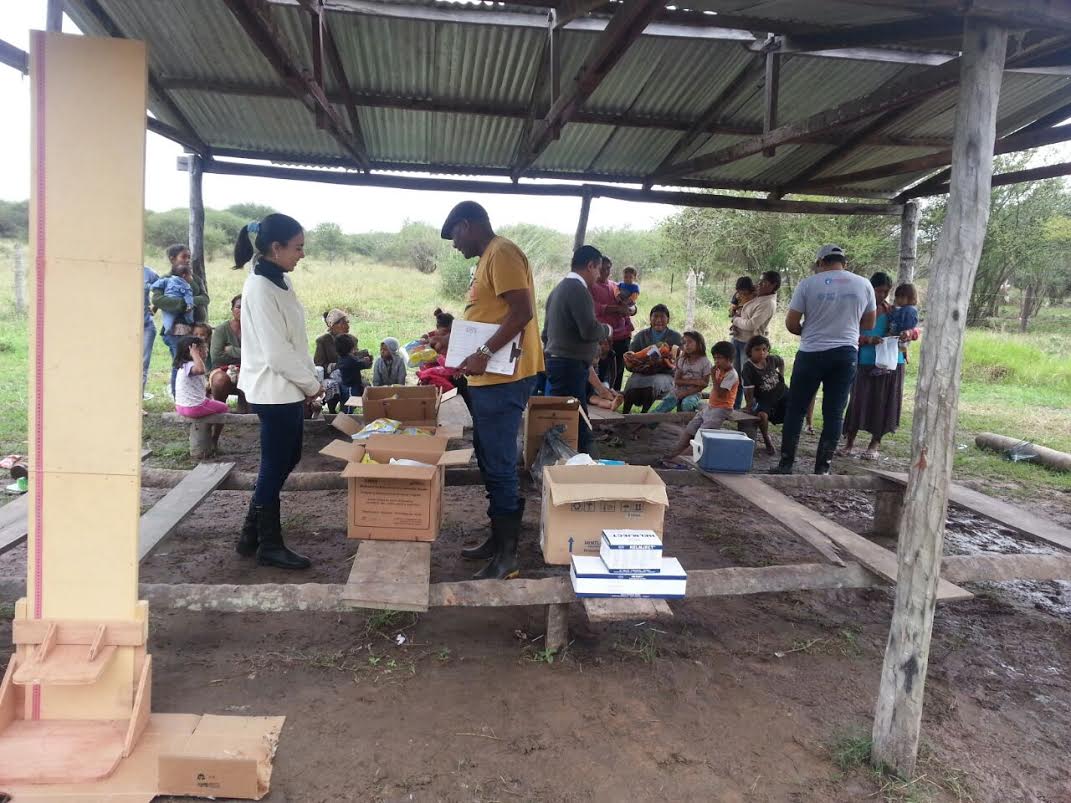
(282, 427)
(668, 404)
(834, 370)
(172, 346)
(148, 338)
(569, 377)
(739, 358)
(496, 422)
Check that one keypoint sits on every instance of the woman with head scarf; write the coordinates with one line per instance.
(389, 368)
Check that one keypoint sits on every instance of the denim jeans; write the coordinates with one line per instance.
(148, 338)
(569, 377)
(172, 346)
(739, 358)
(688, 404)
(834, 370)
(282, 427)
(496, 423)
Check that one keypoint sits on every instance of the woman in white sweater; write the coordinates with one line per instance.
(278, 376)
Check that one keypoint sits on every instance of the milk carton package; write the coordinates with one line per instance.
(631, 551)
(591, 578)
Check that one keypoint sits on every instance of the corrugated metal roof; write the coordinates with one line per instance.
(427, 50)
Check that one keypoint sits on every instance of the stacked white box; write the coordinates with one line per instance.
(631, 551)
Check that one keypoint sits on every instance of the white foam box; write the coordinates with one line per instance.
(591, 578)
(631, 551)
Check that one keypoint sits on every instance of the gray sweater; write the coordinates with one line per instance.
(569, 326)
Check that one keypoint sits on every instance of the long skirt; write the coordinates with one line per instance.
(877, 398)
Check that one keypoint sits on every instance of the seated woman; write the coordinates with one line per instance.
(226, 353)
(652, 373)
(326, 355)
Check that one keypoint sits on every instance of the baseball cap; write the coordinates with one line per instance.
(829, 250)
(466, 210)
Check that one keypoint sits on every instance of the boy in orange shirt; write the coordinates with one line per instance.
(726, 384)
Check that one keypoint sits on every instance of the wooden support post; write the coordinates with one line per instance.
(54, 18)
(195, 165)
(888, 505)
(582, 223)
(909, 240)
(770, 92)
(557, 626)
(201, 445)
(903, 678)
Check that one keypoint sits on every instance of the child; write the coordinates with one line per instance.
(745, 291)
(690, 377)
(722, 397)
(204, 331)
(628, 290)
(350, 364)
(177, 285)
(601, 379)
(763, 378)
(191, 400)
(904, 318)
(389, 368)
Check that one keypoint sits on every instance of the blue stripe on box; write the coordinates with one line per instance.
(628, 596)
(611, 575)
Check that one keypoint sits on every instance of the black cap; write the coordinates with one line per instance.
(466, 210)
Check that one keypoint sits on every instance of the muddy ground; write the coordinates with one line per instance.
(740, 699)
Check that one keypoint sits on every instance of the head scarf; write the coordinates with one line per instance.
(394, 347)
(334, 316)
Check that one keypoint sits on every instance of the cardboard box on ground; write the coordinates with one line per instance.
(395, 502)
(542, 414)
(413, 405)
(579, 502)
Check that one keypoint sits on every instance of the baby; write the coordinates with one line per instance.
(628, 290)
(745, 291)
(177, 285)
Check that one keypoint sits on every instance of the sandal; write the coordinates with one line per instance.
(871, 454)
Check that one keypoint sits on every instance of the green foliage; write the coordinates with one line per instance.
(326, 241)
(166, 228)
(455, 275)
(14, 219)
(644, 250)
(249, 212)
(548, 251)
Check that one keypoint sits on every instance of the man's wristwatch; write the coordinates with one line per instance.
(483, 351)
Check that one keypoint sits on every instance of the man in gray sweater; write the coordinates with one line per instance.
(572, 334)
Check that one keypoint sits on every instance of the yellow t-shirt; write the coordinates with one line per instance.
(504, 267)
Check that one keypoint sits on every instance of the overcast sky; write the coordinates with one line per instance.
(354, 208)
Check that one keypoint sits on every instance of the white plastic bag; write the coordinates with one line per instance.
(886, 353)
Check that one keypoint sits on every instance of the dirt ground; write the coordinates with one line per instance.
(733, 700)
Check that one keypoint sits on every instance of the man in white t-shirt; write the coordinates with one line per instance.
(827, 311)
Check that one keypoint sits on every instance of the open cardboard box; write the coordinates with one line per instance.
(413, 405)
(390, 502)
(544, 413)
(579, 502)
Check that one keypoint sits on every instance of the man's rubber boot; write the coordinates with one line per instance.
(486, 550)
(271, 550)
(507, 529)
(249, 538)
(823, 461)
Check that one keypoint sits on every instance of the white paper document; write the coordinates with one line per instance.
(467, 336)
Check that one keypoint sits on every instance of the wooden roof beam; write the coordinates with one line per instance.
(1043, 15)
(163, 99)
(882, 33)
(14, 57)
(268, 39)
(1013, 143)
(1012, 177)
(624, 29)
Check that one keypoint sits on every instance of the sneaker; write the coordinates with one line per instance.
(146, 396)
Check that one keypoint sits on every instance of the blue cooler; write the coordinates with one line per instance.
(721, 450)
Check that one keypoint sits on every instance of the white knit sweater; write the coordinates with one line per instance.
(276, 365)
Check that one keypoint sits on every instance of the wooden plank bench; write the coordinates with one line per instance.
(390, 575)
(159, 521)
(1023, 522)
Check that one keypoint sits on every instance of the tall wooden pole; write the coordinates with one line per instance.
(903, 678)
(582, 224)
(195, 165)
(54, 16)
(909, 241)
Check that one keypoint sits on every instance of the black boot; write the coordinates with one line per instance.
(506, 529)
(272, 551)
(486, 550)
(784, 466)
(247, 541)
(823, 460)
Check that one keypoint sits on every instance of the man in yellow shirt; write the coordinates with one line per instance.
(502, 292)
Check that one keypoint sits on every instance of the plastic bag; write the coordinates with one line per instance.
(1023, 450)
(887, 353)
(381, 426)
(552, 452)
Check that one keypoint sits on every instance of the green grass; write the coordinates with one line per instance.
(1015, 384)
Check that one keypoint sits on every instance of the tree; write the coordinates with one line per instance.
(249, 212)
(167, 228)
(327, 241)
(14, 219)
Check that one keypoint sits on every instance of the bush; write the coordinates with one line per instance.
(14, 219)
(167, 228)
(455, 275)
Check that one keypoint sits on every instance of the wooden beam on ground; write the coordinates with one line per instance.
(390, 575)
(268, 39)
(163, 97)
(14, 524)
(164, 517)
(909, 242)
(624, 28)
(240, 419)
(898, 717)
(1027, 524)
(621, 609)
(695, 199)
(997, 568)
(502, 593)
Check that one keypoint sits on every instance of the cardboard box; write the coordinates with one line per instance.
(349, 426)
(222, 757)
(391, 502)
(413, 405)
(591, 578)
(579, 502)
(631, 551)
(544, 413)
